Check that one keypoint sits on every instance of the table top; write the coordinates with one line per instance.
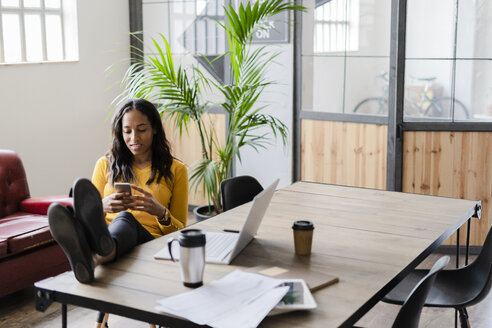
(369, 239)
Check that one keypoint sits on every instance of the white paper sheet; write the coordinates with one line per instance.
(239, 299)
(254, 312)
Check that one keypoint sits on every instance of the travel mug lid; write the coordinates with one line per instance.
(303, 225)
(191, 238)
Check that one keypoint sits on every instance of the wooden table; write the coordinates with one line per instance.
(370, 239)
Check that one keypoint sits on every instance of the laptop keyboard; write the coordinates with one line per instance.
(219, 244)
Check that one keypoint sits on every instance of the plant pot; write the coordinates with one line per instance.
(203, 212)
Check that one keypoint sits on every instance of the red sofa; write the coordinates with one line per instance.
(28, 252)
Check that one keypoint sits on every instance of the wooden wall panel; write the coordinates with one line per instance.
(451, 164)
(187, 148)
(344, 153)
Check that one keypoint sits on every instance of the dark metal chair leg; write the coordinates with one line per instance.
(464, 319)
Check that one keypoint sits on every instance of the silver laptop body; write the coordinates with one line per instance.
(223, 247)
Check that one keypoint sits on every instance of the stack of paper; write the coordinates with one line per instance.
(239, 299)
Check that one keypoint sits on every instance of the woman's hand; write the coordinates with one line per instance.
(117, 202)
(147, 203)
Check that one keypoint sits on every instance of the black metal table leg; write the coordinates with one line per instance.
(64, 316)
(458, 257)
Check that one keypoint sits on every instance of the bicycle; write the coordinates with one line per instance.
(426, 106)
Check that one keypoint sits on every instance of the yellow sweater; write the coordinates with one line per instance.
(173, 195)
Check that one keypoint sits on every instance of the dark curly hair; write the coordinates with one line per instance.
(121, 158)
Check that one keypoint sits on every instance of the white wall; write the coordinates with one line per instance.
(275, 161)
(54, 115)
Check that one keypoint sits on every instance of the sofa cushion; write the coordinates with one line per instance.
(23, 231)
(39, 205)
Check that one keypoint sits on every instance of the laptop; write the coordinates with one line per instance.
(223, 247)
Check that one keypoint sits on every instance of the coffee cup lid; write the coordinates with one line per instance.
(303, 225)
(191, 238)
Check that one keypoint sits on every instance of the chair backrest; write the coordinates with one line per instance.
(480, 271)
(13, 182)
(238, 190)
(409, 314)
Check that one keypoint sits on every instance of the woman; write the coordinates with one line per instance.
(158, 203)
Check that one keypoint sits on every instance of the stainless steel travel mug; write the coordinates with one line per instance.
(191, 256)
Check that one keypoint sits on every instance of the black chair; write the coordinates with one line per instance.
(409, 314)
(455, 288)
(238, 190)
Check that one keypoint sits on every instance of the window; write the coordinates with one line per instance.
(345, 54)
(191, 28)
(448, 61)
(38, 31)
(334, 20)
(448, 68)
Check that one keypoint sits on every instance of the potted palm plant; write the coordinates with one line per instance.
(178, 91)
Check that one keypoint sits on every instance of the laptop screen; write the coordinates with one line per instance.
(253, 220)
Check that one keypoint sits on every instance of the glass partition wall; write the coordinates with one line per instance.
(448, 69)
(389, 94)
(345, 59)
(397, 95)
(191, 28)
(441, 56)
(345, 56)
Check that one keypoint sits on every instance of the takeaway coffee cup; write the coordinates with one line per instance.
(303, 237)
(191, 256)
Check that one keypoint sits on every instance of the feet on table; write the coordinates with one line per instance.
(89, 210)
(69, 234)
(83, 231)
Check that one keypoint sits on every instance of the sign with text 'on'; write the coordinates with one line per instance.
(273, 30)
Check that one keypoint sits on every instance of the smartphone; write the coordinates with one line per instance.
(123, 187)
